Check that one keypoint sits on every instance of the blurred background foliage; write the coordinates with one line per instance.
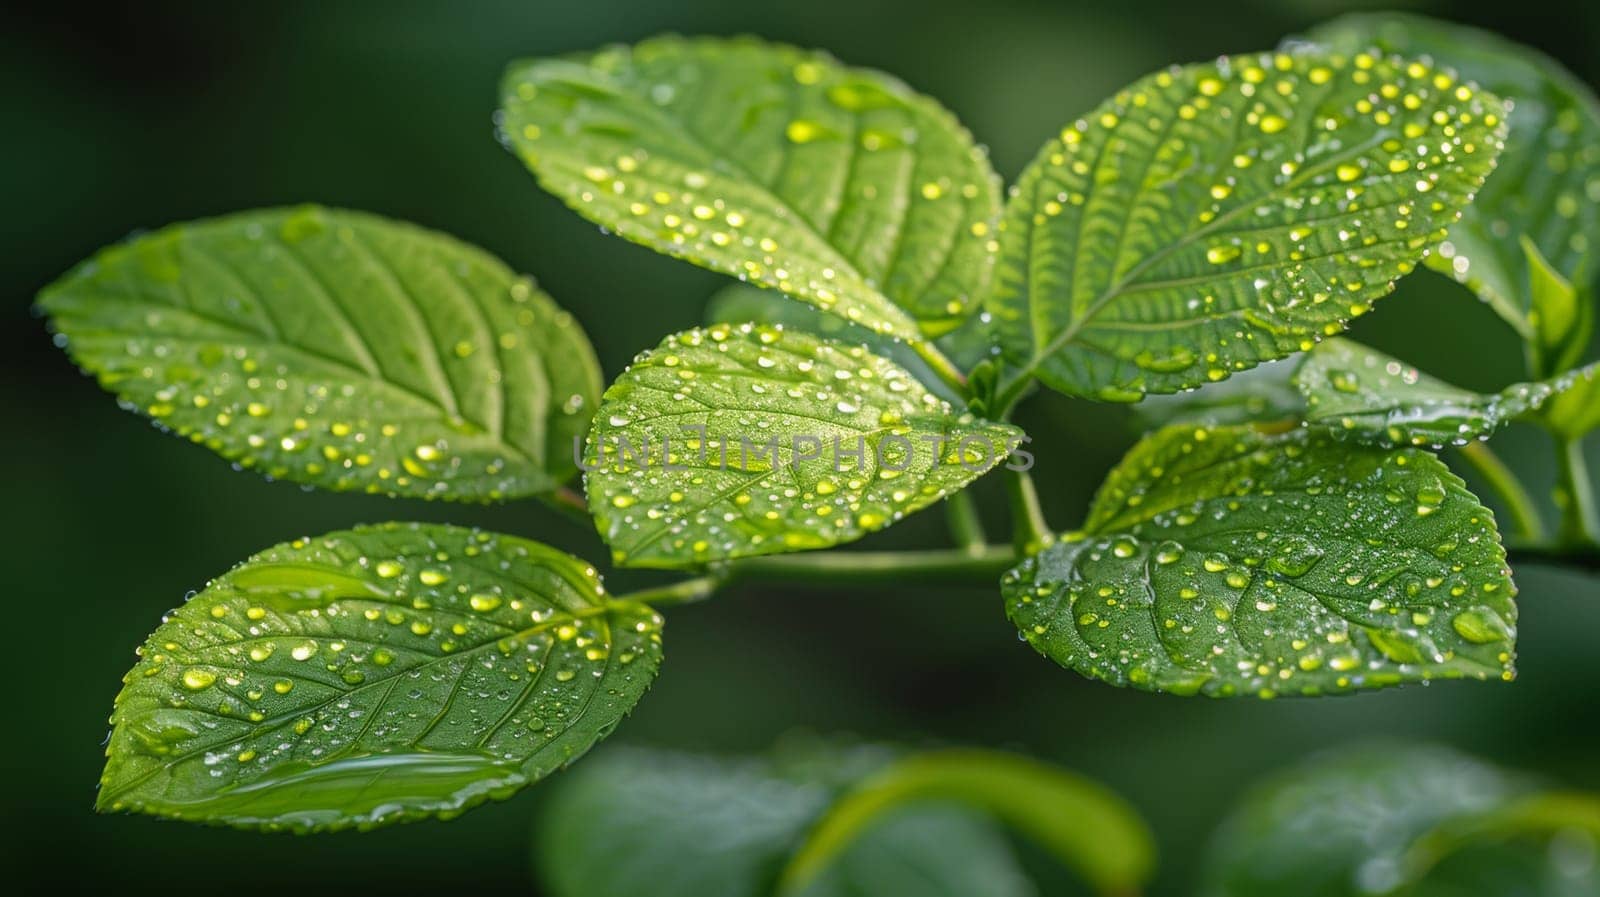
(125, 117)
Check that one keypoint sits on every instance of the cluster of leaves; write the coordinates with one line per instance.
(820, 819)
(1373, 819)
(1204, 220)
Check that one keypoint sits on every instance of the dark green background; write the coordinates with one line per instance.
(118, 120)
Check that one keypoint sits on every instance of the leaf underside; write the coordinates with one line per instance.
(372, 676)
(1226, 562)
(638, 821)
(1548, 179)
(839, 186)
(1211, 217)
(779, 441)
(1373, 398)
(337, 349)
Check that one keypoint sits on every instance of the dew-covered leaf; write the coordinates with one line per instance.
(839, 186)
(1211, 217)
(337, 349)
(1263, 393)
(1368, 396)
(372, 676)
(1225, 561)
(1575, 412)
(741, 440)
(637, 821)
(1339, 824)
(1548, 179)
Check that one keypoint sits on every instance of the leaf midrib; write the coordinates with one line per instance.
(1078, 322)
(605, 608)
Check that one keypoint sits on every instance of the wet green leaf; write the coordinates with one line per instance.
(1370, 397)
(836, 185)
(1576, 411)
(373, 676)
(1211, 217)
(1224, 561)
(339, 350)
(1339, 824)
(741, 440)
(1549, 175)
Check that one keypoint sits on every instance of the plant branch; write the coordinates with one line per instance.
(1508, 486)
(977, 565)
(1029, 530)
(687, 591)
(965, 527)
(1580, 523)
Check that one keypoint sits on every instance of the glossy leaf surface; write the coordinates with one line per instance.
(1548, 179)
(1211, 217)
(1226, 562)
(677, 825)
(373, 676)
(836, 185)
(337, 349)
(1370, 397)
(733, 441)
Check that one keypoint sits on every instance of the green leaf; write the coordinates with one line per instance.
(378, 675)
(1576, 410)
(1562, 320)
(1339, 824)
(1211, 217)
(1263, 393)
(839, 186)
(1227, 562)
(735, 441)
(1085, 825)
(337, 349)
(1548, 176)
(1370, 397)
(638, 821)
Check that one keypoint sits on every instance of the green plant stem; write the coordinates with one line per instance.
(1029, 531)
(1084, 825)
(982, 565)
(1580, 524)
(942, 366)
(978, 565)
(687, 591)
(1529, 527)
(965, 526)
